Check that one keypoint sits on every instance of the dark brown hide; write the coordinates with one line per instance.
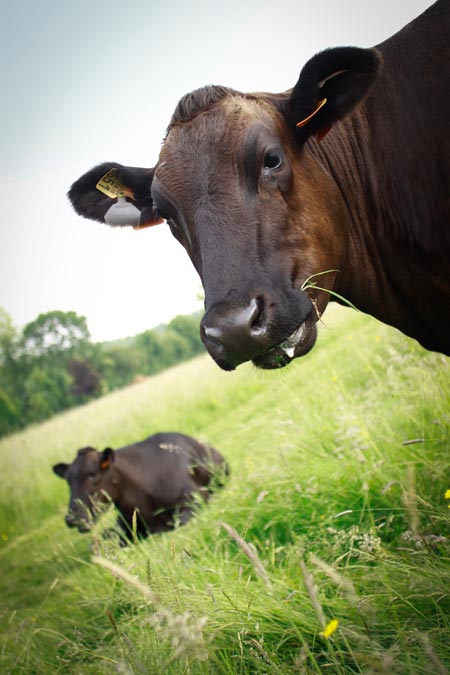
(156, 478)
(272, 219)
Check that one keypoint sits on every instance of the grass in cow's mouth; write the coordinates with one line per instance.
(308, 283)
(330, 519)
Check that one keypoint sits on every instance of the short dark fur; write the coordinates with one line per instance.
(197, 102)
(157, 478)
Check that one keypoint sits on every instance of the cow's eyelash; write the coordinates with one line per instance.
(159, 214)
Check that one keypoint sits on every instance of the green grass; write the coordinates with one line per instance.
(338, 519)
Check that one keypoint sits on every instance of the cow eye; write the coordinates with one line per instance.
(272, 160)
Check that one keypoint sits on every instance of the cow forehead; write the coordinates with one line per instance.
(200, 157)
(214, 134)
(85, 459)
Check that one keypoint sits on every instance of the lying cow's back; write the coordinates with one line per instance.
(168, 465)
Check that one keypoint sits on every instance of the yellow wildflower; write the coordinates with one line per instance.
(447, 494)
(329, 628)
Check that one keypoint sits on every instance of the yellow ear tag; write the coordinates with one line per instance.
(314, 112)
(112, 187)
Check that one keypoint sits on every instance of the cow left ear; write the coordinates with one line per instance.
(107, 458)
(116, 195)
(330, 85)
(61, 469)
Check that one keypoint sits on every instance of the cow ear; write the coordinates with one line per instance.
(330, 85)
(107, 458)
(116, 195)
(61, 469)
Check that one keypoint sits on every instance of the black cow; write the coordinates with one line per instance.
(156, 478)
(275, 221)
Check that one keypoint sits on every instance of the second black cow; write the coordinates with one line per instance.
(157, 478)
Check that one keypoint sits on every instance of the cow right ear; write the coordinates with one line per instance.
(116, 195)
(107, 458)
(61, 469)
(330, 85)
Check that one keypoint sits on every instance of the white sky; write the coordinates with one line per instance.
(90, 81)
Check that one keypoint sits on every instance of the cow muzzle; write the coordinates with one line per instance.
(74, 520)
(259, 331)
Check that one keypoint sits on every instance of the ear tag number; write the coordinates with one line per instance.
(112, 187)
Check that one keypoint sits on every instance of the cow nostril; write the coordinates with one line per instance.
(247, 321)
(257, 323)
(234, 334)
(239, 330)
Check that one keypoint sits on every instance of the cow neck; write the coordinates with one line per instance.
(129, 476)
(387, 269)
(361, 278)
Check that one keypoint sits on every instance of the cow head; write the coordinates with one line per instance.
(258, 218)
(92, 485)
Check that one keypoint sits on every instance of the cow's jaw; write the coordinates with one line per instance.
(299, 343)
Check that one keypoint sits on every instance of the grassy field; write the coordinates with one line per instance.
(335, 517)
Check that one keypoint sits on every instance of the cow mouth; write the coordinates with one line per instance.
(80, 525)
(299, 343)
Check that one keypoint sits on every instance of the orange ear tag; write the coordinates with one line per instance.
(105, 464)
(314, 112)
(148, 223)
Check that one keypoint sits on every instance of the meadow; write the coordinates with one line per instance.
(327, 551)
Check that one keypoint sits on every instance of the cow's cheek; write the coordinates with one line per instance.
(110, 487)
(319, 253)
(318, 225)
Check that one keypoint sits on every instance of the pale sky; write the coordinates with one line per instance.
(90, 81)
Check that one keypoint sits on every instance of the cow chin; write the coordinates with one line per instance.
(299, 343)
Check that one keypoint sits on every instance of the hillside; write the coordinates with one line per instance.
(339, 474)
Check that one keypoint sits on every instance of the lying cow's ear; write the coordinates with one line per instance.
(61, 469)
(116, 195)
(107, 458)
(329, 87)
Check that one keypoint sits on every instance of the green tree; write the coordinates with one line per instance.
(47, 391)
(176, 348)
(188, 327)
(9, 414)
(55, 333)
(9, 347)
(11, 376)
(86, 380)
(151, 345)
(119, 365)
(48, 345)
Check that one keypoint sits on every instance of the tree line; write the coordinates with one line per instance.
(52, 364)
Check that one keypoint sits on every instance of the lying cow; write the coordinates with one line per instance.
(157, 478)
(340, 185)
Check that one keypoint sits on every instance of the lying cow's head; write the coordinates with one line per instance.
(92, 485)
(256, 215)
